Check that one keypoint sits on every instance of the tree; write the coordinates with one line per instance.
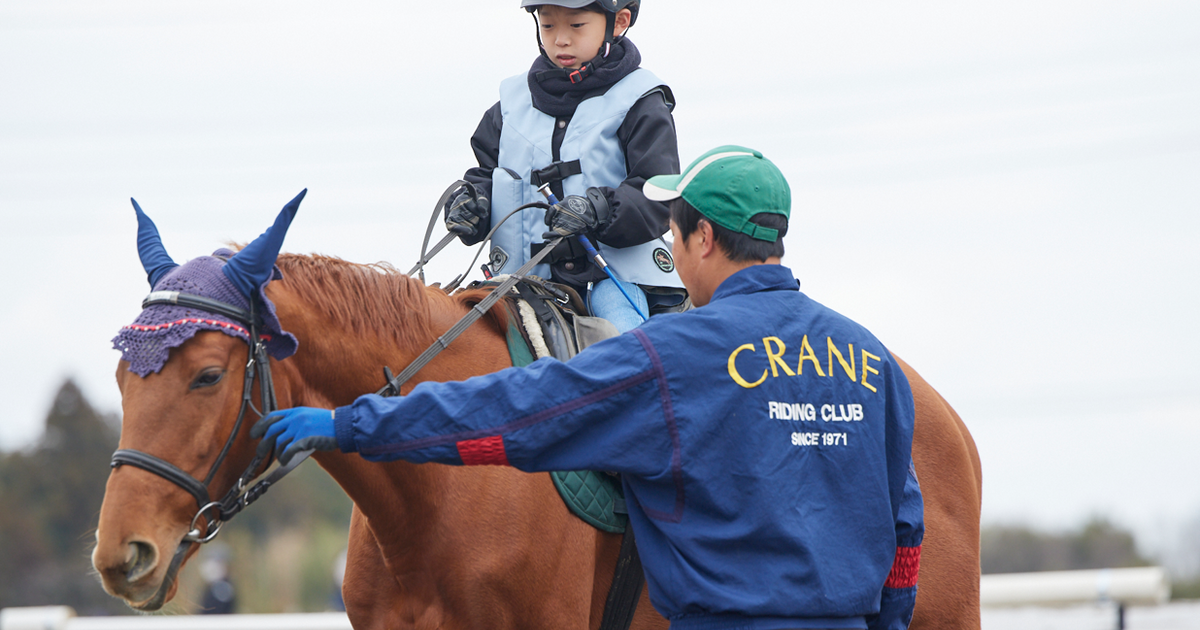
(1099, 544)
(50, 496)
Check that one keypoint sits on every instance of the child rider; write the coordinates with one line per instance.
(589, 122)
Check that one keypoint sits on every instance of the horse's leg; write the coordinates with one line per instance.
(948, 468)
(369, 590)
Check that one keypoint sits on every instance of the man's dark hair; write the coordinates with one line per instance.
(738, 247)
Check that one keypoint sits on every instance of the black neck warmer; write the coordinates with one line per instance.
(555, 94)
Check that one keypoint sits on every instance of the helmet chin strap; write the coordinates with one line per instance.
(585, 70)
(610, 21)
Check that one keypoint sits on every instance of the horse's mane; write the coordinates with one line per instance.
(374, 299)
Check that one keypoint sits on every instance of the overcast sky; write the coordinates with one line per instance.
(1007, 194)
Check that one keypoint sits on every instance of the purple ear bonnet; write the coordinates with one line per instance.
(226, 277)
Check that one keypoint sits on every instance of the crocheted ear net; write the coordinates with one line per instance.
(146, 343)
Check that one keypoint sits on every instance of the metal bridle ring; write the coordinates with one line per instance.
(193, 534)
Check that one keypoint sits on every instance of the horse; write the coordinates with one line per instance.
(433, 545)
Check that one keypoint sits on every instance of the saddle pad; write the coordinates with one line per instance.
(595, 497)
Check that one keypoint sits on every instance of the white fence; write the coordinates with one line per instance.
(1066, 600)
(1144, 586)
(63, 618)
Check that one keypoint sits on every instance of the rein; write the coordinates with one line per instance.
(392, 388)
(239, 496)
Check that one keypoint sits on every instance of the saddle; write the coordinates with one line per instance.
(551, 320)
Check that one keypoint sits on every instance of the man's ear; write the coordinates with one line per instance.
(707, 242)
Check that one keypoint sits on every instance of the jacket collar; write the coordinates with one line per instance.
(757, 278)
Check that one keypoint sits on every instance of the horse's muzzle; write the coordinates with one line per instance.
(129, 571)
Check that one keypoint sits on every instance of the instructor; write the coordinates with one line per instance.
(764, 441)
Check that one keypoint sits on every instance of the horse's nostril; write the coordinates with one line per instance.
(140, 560)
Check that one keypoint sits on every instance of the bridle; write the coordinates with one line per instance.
(239, 496)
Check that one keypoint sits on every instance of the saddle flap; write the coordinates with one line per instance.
(589, 330)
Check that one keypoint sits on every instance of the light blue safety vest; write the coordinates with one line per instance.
(591, 138)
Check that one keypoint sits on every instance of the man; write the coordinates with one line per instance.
(763, 440)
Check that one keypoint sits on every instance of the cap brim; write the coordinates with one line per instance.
(662, 187)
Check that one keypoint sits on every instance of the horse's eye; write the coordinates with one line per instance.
(208, 378)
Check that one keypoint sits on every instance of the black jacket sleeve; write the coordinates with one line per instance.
(485, 143)
(651, 148)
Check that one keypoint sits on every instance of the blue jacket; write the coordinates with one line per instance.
(764, 443)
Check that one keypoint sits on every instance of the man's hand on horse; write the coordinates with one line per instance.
(290, 431)
(578, 215)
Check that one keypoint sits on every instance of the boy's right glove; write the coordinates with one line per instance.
(578, 215)
(467, 213)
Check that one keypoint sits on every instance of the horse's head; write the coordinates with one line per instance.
(189, 396)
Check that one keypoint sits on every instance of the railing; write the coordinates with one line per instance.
(63, 618)
(1122, 587)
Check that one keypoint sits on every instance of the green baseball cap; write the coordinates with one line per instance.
(728, 185)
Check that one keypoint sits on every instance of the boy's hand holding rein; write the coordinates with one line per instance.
(578, 215)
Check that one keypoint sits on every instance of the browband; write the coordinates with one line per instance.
(195, 301)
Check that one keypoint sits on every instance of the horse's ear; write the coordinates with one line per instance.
(250, 268)
(155, 259)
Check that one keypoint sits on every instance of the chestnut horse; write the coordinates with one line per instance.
(435, 546)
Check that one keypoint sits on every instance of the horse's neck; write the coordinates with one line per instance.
(334, 366)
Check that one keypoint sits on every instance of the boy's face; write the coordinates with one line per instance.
(573, 36)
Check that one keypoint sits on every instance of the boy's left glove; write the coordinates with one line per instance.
(289, 431)
(578, 215)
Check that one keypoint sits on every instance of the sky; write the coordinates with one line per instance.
(1006, 194)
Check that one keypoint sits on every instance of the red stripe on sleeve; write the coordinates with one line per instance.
(488, 451)
(904, 568)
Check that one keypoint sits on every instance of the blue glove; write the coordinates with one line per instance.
(289, 431)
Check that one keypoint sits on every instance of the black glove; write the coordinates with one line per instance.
(467, 214)
(578, 215)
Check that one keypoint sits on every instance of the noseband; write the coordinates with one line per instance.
(238, 496)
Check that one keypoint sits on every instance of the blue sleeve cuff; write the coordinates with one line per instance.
(343, 429)
(895, 609)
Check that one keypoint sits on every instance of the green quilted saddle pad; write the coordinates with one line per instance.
(595, 497)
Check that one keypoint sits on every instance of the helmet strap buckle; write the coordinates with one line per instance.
(582, 73)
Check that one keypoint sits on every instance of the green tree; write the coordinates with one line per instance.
(50, 497)
(1098, 544)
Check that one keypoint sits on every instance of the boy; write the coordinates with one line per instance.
(587, 121)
